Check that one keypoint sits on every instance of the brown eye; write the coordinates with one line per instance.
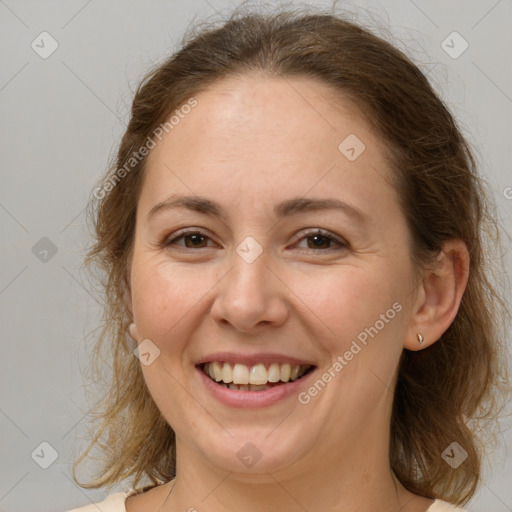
(192, 240)
(322, 240)
(196, 240)
(319, 242)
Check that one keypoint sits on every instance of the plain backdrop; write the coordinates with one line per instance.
(63, 113)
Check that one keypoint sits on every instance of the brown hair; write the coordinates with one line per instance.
(445, 393)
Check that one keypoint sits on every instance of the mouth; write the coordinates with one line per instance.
(257, 377)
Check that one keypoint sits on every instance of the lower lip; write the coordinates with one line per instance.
(252, 399)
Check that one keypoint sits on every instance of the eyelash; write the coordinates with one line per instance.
(316, 232)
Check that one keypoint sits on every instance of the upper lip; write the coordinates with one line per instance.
(252, 359)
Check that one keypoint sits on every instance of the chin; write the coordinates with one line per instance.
(254, 453)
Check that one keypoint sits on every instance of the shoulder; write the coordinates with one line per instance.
(443, 506)
(113, 503)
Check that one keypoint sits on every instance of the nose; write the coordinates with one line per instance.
(250, 296)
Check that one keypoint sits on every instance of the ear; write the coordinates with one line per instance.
(127, 296)
(440, 294)
(132, 329)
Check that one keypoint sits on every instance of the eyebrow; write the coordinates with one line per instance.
(286, 208)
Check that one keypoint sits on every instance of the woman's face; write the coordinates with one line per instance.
(253, 283)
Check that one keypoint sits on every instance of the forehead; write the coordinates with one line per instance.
(257, 138)
(286, 114)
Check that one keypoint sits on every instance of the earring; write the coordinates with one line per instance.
(420, 338)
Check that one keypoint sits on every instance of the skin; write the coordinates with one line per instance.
(250, 143)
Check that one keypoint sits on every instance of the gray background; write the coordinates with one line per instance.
(61, 118)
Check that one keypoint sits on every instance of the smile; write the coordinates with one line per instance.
(258, 377)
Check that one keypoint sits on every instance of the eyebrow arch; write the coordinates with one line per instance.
(286, 208)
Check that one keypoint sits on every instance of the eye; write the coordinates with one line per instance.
(322, 240)
(192, 239)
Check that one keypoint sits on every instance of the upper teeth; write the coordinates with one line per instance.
(257, 374)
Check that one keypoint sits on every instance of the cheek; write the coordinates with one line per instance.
(347, 300)
(162, 296)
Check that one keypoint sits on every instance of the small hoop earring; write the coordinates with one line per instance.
(420, 338)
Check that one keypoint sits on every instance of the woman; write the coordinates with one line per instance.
(292, 236)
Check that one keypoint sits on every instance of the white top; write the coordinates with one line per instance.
(116, 503)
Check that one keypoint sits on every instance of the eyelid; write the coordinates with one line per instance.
(301, 235)
(182, 233)
(298, 237)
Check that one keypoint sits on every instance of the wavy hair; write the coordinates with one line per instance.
(448, 392)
